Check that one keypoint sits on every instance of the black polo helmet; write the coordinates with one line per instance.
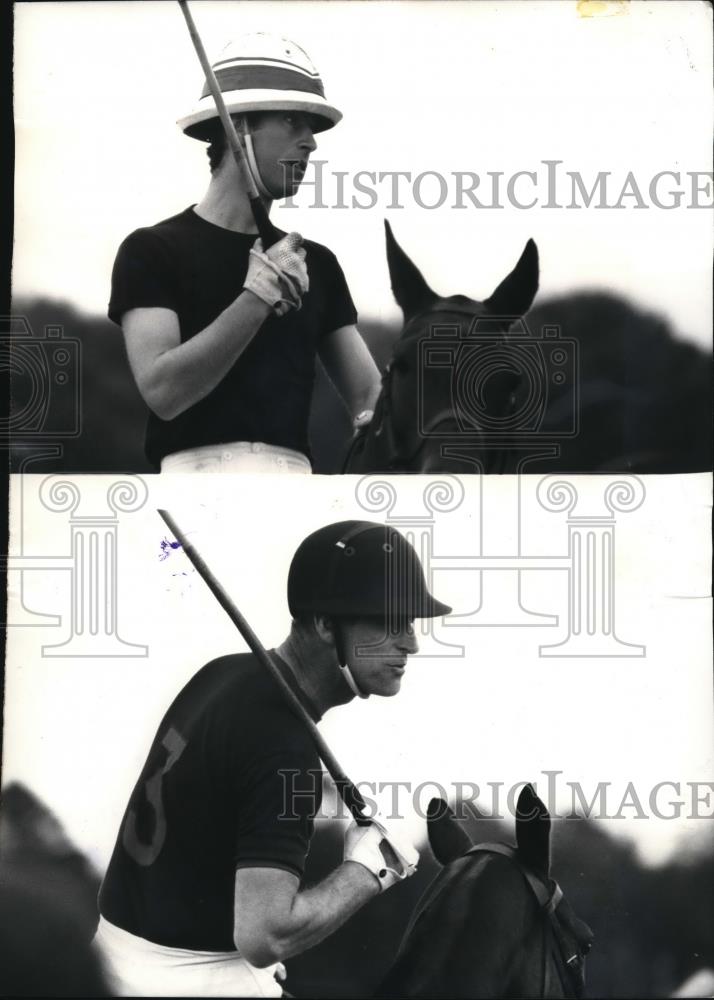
(359, 569)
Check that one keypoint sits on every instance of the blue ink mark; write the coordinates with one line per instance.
(166, 547)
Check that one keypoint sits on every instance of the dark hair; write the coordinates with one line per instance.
(303, 622)
(215, 151)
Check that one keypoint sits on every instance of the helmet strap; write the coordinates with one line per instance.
(252, 161)
(342, 662)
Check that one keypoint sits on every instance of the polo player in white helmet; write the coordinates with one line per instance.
(221, 335)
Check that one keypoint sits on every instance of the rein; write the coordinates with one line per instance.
(548, 895)
(386, 427)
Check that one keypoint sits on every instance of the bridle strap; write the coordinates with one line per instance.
(438, 310)
(386, 422)
(548, 896)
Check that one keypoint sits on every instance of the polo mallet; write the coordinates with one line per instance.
(349, 793)
(266, 230)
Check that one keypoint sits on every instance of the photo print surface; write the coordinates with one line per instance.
(471, 129)
(415, 697)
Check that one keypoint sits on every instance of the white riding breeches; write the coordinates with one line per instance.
(237, 457)
(135, 967)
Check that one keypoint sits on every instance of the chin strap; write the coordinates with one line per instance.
(252, 162)
(342, 662)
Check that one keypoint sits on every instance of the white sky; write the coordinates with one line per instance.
(77, 730)
(423, 86)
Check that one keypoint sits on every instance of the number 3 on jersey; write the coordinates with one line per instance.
(145, 854)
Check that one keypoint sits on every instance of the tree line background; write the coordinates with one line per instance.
(652, 925)
(645, 394)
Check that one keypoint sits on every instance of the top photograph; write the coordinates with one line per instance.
(350, 238)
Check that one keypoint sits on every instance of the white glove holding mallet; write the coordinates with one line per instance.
(389, 857)
(278, 276)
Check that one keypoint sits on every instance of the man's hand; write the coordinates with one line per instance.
(278, 276)
(390, 858)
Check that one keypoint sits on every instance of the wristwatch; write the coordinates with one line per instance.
(362, 419)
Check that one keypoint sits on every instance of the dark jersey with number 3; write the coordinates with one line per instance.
(213, 796)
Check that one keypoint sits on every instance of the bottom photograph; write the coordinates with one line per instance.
(358, 737)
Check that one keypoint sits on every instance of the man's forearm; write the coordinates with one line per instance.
(351, 369)
(187, 373)
(315, 913)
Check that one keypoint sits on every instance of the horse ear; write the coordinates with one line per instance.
(514, 296)
(447, 837)
(533, 830)
(412, 293)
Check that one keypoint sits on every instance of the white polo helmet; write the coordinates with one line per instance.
(261, 72)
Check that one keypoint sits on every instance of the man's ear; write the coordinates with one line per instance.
(324, 628)
(240, 121)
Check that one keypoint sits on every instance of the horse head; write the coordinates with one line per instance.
(493, 923)
(452, 376)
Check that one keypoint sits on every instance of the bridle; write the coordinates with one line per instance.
(548, 896)
(384, 428)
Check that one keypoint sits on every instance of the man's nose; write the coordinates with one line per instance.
(307, 140)
(408, 642)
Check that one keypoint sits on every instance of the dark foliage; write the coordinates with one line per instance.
(112, 413)
(645, 396)
(653, 926)
(48, 912)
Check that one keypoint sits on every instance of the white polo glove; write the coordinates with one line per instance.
(388, 857)
(278, 276)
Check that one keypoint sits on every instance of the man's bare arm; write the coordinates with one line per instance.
(273, 920)
(172, 376)
(351, 369)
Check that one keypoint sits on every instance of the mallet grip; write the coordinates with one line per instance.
(348, 791)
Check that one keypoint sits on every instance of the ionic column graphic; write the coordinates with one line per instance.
(379, 496)
(501, 599)
(19, 614)
(93, 615)
(591, 552)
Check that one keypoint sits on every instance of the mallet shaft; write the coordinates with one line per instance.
(349, 792)
(266, 230)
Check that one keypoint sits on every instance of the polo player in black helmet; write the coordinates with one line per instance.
(203, 893)
(355, 577)
(222, 336)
